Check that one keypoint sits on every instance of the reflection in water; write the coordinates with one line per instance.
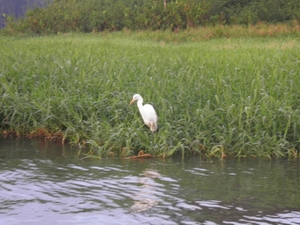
(43, 182)
(145, 198)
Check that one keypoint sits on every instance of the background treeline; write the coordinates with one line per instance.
(113, 15)
(18, 8)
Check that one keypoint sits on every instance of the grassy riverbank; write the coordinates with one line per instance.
(237, 96)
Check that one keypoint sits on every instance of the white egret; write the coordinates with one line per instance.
(147, 111)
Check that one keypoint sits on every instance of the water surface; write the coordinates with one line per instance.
(45, 183)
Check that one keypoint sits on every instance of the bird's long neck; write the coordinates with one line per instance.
(140, 103)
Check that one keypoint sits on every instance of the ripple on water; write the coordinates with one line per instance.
(200, 172)
(140, 192)
(287, 217)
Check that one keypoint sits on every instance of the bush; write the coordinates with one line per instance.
(113, 15)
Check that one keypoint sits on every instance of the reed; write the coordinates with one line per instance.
(236, 96)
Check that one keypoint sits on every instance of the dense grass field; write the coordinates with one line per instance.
(226, 96)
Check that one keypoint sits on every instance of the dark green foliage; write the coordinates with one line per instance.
(113, 15)
(253, 11)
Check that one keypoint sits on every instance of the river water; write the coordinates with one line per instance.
(45, 183)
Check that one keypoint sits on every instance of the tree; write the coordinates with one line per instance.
(18, 8)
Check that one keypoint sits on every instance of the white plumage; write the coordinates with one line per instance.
(147, 111)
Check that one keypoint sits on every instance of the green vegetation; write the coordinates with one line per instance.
(18, 8)
(115, 15)
(236, 96)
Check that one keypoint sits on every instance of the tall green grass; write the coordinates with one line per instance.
(235, 97)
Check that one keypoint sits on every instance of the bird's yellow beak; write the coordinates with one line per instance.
(131, 101)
